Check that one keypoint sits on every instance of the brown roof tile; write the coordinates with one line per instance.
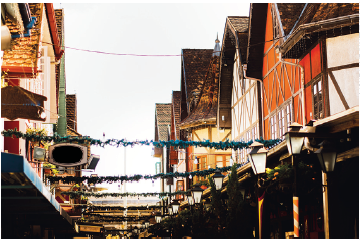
(24, 50)
(334, 10)
(71, 111)
(315, 12)
(206, 109)
(289, 14)
(240, 24)
(176, 108)
(195, 64)
(162, 121)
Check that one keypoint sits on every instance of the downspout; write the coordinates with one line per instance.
(28, 21)
(28, 29)
(62, 125)
(261, 97)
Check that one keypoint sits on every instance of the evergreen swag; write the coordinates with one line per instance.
(75, 194)
(235, 219)
(100, 179)
(37, 136)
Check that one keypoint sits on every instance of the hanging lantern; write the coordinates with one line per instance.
(327, 156)
(175, 206)
(258, 158)
(147, 223)
(218, 179)
(294, 141)
(170, 210)
(190, 198)
(196, 193)
(158, 217)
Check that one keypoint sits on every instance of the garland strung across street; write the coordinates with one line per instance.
(110, 179)
(114, 218)
(235, 145)
(118, 208)
(74, 194)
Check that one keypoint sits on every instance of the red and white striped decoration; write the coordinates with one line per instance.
(296, 216)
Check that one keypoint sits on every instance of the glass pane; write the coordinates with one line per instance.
(319, 86)
(315, 89)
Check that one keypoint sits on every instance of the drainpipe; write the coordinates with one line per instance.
(261, 97)
(28, 27)
(302, 82)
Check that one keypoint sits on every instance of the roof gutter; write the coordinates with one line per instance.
(50, 13)
(319, 26)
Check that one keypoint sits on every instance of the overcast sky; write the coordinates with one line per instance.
(117, 94)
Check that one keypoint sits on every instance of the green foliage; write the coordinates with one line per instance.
(49, 165)
(279, 172)
(221, 145)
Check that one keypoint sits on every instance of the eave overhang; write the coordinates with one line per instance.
(23, 193)
(309, 33)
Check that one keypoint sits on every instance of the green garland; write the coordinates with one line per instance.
(120, 208)
(114, 142)
(115, 218)
(101, 179)
(74, 194)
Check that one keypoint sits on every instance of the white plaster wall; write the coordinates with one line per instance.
(343, 50)
(346, 80)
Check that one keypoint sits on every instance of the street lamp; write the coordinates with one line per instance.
(327, 156)
(190, 198)
(258, 157)
(147, 223)
(170, 210)
(294, 141)
(158, 217)
(218, 179)
(175, 206)
(196, 193)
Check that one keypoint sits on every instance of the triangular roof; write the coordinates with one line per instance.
(71, 111)
(175, 110)
(162, 121)
(194, 66)
(234, 41)
(205, 110)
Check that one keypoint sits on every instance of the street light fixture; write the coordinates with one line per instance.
(258, 157)
(327, 156)
(190, 198)
(218, 179)
(294, 141)
(175, 206)
(170, 210)
(158, 217)
(196, 193)
(147, 223)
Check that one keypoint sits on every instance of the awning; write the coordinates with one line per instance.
(25, 197)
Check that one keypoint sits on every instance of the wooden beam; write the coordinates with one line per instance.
(348, 154)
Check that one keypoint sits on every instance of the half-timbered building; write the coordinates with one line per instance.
(199, 105)
(306, 57)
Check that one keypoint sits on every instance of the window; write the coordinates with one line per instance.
(180, 187)
(273, 127)
(280, 122)
(318, 100)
